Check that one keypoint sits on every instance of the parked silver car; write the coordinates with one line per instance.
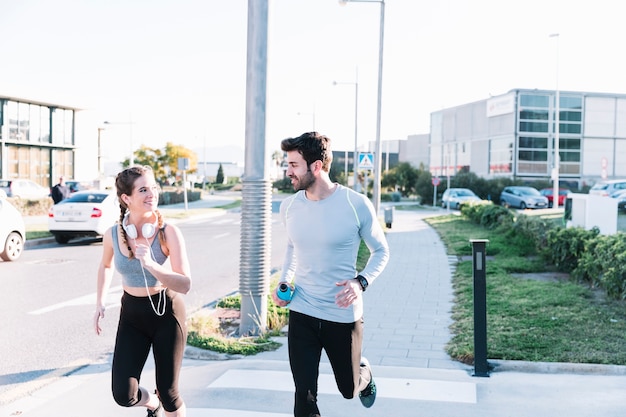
(456, 197)
(522, 197)
(608, 188)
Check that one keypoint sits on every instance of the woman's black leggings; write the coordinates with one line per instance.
(139, 330)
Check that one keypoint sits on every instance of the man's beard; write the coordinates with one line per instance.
(305, 182)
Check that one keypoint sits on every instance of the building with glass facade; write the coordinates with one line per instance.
(36, 140)
(514, 135)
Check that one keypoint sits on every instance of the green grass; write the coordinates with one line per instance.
(527, 319)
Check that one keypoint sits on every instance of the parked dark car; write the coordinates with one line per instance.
(522, 197)
(621, 199)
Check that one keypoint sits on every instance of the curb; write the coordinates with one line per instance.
(498, 366)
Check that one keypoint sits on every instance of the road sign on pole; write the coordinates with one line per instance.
(366, 160)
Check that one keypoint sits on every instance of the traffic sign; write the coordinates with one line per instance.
(366, 161)
(436, 181)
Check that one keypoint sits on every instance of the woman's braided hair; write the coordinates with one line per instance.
(124, 183)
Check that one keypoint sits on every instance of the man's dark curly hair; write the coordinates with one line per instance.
(312, 146)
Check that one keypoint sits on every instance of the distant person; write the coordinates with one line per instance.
(325, 224)
(151, 258)
(60, 191)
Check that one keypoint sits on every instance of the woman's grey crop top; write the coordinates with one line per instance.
(130, 269)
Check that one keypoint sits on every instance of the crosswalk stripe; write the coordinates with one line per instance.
(398, 388)
(212, 412)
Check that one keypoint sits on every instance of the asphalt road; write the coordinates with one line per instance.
(49, 295)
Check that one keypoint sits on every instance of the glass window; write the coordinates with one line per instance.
(533, 142)
(568, 102)
(58, 126)
(45, 125)
(23, 113)
(501, 156)
(533, 127)
(527, 114)
(532, 155)
(570, 128)
(35, 122)
(12, 120)
(572, 144)
(570, 116)
(534, 100)
(69, 127)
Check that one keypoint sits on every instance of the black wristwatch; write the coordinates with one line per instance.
(363, 281)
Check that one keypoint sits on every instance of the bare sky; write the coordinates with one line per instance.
(176, 69)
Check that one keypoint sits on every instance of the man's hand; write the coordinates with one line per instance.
(278, 301)
(349, 292)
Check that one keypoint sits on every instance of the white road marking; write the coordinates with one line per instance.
(113, 300)
(399, 388)
(212, 412)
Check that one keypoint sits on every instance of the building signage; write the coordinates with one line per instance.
(497, 106)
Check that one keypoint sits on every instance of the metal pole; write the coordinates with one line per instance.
(557, 111)
(256, 208)
(100, 129)
(355, 160)
(481, 367)
(378, 156)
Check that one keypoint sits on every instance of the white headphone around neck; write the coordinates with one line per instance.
(147, 230)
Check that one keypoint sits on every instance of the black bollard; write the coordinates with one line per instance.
(481, 367)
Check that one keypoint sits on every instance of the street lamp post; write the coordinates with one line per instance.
(355, 161)
(312, 117)
(130, 123)
(378, 150)
(100, 129)
(557, 128)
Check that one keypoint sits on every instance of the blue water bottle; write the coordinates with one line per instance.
(285, 292)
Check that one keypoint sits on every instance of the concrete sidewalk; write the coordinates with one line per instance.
(407, 314)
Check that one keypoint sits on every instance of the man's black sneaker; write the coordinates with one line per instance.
(368, 395)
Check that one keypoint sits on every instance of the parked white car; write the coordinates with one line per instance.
(26, 189)
(12, 231)
(84, 214)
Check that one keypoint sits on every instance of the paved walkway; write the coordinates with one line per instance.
(407, 316)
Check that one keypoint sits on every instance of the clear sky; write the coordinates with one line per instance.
(176, 69)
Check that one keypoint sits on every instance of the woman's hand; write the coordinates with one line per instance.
(142, 252)
(96, 319)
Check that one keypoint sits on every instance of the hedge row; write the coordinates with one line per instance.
(588, 256)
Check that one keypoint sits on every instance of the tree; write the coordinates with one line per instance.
(164, 162)
(219, 178)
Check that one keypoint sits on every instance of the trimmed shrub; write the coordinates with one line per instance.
(565, 247)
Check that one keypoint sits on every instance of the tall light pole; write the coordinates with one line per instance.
(100, 129)
(557, 111)
(130, 123)
(378, 151)
(312, 117)
(355, 162)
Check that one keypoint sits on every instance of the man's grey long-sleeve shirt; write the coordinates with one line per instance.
(323, 243)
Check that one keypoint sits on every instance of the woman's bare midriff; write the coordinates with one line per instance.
(141, 291)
